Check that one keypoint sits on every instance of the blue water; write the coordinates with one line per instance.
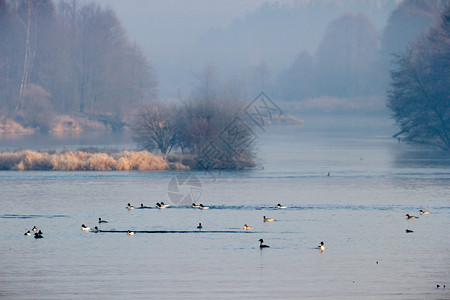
(358, 211)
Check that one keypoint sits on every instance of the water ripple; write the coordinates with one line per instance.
(13, 216)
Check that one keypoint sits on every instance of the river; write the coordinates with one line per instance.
(349, 188)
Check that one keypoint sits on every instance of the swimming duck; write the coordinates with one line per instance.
(130, 232)
(321, 247)
(84, 228)
(34, 228)
(199, 226)
(195, 205)
(38, 235)
(27, 233)
(130, 206)
(409, 231)
(203, 207)
(411, 217)
(101, 221)
(424, 212)
(158, 205)
(261, 244)
(268, 219)
(95, 229)
(163, 205)
(280, 206)
(246, 227)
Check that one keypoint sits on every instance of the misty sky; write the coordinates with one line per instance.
(171, 33)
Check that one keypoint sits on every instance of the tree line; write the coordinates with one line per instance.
(353, 59)
(68, 58)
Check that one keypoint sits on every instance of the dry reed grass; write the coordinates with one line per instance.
(9, 126)
(28, 160)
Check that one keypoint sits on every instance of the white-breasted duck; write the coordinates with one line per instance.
(268, 219)
(321, 246)
(163, 205)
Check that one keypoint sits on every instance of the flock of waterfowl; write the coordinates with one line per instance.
(200, 226)
(158, 205)
(408, 216)
(200, 206)
(38, 233)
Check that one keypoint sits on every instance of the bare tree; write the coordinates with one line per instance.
(207, 127)
(420, 90)
(210, 127)
(408, 21)
(154, 128)
(205, 87)
(30, 45)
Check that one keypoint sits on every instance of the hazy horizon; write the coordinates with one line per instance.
(173, 34)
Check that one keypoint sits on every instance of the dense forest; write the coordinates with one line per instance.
(68, 59)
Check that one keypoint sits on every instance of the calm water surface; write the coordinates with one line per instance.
(358, 211)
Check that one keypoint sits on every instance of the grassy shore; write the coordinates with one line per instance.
(67, 160)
